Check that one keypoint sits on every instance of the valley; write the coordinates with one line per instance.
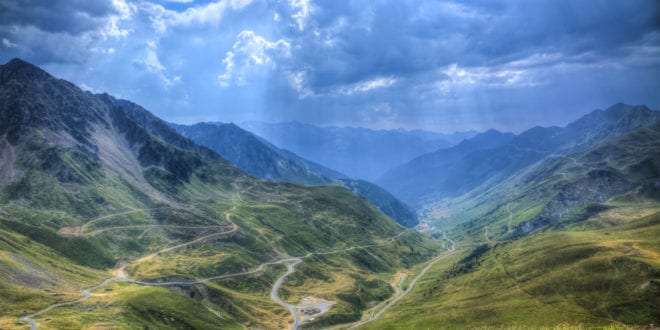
(112, 217)
(119, 274)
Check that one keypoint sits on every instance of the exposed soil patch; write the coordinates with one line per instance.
(312, 307)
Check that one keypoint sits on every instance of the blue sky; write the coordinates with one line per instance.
(438, 65)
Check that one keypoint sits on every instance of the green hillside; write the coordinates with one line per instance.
(579, 277)
(570, 241)
(98, 193)
(562, 189)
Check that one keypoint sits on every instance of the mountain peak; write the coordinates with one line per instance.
(20, 69)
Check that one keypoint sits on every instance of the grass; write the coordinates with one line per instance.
(127, 306)
(274, 219)
(608, 277)
(35, 276)
(77, 206)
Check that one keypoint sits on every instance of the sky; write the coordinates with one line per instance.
(436, 65)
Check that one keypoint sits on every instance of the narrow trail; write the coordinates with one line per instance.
(85, 292)
(110, 216)
(421, 274)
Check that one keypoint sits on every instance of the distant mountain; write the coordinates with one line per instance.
(357, 152)
(95, 191)
(257, 157)
(451, 138)
(443, 172)
(565, 189)
(451, 172)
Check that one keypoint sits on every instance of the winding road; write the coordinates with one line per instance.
(120, 275)
(421, 274)
(291, 262)
(290, 268)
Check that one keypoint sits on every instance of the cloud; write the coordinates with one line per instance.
(367, 85)
(302, 10)
(151, 63)
(63, 31)
(250, 54)
(7, 43)
(357, 62)
(58, 16)
(208, 14)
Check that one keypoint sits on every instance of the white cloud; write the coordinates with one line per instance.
(152, 64)
(249, 54)
(303, 10)
(489, 76)
(207, 14)
(88, 88)
(297, 80)
(7, 43)
(367, 85)
(112, 28)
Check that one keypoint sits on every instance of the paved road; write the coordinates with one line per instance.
(276, 287)
(389, 305)
(292, 262)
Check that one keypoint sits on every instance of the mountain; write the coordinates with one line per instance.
(257, 157)
(571, 239)
(451, 138)
(448, 173)
(443, 171)
(357, 152)
(563, 189)
(107, 210)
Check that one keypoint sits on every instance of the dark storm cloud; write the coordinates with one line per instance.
(346, 43)
(68, 16)
(433, 64)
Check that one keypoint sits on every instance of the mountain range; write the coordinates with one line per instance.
(258, 157)
(491, 157)
(360, 153)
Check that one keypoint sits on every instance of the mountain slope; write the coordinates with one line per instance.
(452, 172)
(357, 152)
(564, 189)
(443, 171)
(570, 239)
(104, 185)
(254, 155)
(579, 277)
(262, 159)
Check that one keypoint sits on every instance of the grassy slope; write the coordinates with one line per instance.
(603, 271)
(95, 168)
(556, 191)
(274, 218)
(35, 276)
